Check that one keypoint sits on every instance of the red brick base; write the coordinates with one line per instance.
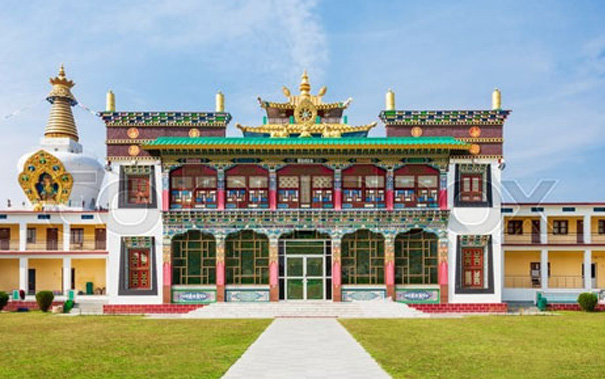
(572, 307)
(462, 308)
(149, 308)
(12, 306)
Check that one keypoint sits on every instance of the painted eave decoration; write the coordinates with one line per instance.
(451, 117)
(44, 179)
(218, 119)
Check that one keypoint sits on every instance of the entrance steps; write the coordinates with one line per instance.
(88, 307)
(307, 309)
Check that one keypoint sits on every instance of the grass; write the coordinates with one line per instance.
(44, 345)
(568, 346)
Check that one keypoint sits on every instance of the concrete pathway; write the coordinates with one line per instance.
(306, 348)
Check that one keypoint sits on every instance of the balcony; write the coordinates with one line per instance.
(9, 245)
(88, 245)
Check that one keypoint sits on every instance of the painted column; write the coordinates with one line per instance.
(166, 270)
(587, 269)
(272, 189)
(443, 190)
(389, 265)
(544, 269)
(587, 230)
(442, 275)
(22, 236)
(220, 268)
(66, 237)
(165, 189)
(336, 270)
(543, 229)
(220, 189)
(337, 189)
(23, 268)
(66, 276)
(273, 268)
(389, 195)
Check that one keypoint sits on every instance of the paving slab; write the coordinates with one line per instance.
(306, 348)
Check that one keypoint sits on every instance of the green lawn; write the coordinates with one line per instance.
(568, 346)
(50, 346)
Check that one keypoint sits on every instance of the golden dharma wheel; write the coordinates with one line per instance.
(132, 133)
(134, 150)
(474, 131)
(475, 149)
(194, 133)
(416, 131)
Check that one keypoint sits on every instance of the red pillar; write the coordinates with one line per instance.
(337, 199)
(165, 200)
(272, 199)
(443, 199)
(220, 281)
(167, 282)
(273, 282)
(336, 282)
(390, 279)
(389, 199)
(220, 199)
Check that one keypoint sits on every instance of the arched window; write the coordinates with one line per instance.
(416, 186)
(193, 258)
(416, 258)
(363, 186)
(362, 258)
(193, 186)
(305, 186)
(247, 186)
(247, 258)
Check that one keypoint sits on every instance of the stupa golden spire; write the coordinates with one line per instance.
(305, 87)
(61, 122)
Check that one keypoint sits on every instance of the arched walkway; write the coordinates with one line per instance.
(246, 258)
(194, 259)
(362, 258)
(416, 258)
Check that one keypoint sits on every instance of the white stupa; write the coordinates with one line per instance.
(59, 175)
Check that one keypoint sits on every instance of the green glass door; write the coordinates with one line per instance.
(295, 278)
(314, 278)
(305, 277)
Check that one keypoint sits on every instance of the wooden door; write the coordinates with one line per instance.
(5, 238)
(580, 231)
(100, 239)
(535, 231)
(52, 239)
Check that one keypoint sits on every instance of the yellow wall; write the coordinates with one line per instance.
(572, 230)
(89, 270)
(89, 236)
(566, 264)
(9, 275)
(41, 236)
(49, 274)
(514, 238)
(598, 258)
(594, 229)
(14, 231)
(517, 266)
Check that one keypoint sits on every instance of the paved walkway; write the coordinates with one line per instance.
(306, 348)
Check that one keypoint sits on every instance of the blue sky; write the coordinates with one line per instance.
(547, 57)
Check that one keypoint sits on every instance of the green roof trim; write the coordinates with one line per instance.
(230, 142)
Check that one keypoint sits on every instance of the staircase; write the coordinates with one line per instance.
(88, 308)
(307, 309)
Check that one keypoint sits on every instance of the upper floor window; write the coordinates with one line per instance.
(601, 227)
(363, 186)
(31, 235)
(247, 187)
(560, 227)
(305, 186)
(416, 186)
(193, 186)
(514, 227)
(137, 189)
(473, 185)
(77, 236)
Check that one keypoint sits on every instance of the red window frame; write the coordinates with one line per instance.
(473, 268)
(138, 189)
(366, 191)
(139, 273)
(474, 192)
(245, 197)
(312, 171)
(207, 196)
(409, 196)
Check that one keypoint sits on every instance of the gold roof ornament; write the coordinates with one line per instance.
(496, 100)
(390, 100)
(110, 102)
(61, 122)
(284, 130)
(45, 180)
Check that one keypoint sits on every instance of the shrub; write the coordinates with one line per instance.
(588, 301)
(44, 300)
(67, 306)
(3, 299)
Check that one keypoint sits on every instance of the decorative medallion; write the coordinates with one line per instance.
(45, 180)
(134, 150)
(133, 133)
(194, 132)
(305, 112)
(475, 149)
(474, 131)
(416, 131)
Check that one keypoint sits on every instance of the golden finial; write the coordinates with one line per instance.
(305, 87)
(220, 102)
(390, 100)
(286, 91)
(61, 122)
(496, 99)
(322, 91)
(62, 71)
(110, 102)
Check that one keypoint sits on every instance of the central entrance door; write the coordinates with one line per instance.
(305, 277)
